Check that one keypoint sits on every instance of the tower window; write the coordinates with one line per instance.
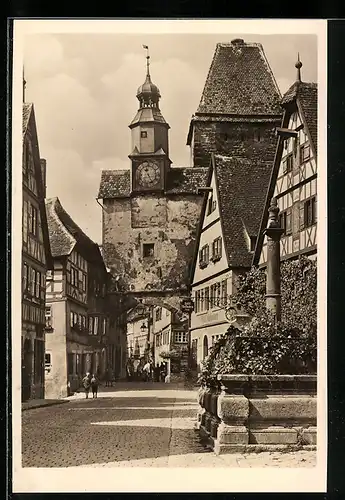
(148, 250)
(143, 134)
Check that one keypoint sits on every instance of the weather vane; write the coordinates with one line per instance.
(146, 47)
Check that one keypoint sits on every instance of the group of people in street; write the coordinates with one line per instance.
(141, 371)
(146, 371)
(90, 382)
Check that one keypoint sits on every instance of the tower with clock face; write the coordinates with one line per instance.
(150, 145)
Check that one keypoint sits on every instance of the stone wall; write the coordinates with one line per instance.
(245, 139)
(258, 413)
(167, 222)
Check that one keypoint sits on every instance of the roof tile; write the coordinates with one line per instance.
(306, 93)
(240, 81)
(115, 184)
(186, 179)
(180, 180)
(64, 234)
(242, 186)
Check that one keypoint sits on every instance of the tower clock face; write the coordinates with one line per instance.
(148, 174)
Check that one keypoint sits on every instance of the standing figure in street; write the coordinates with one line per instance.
(94, 385)
(112, 377)
(107, 377)
(87, 384)
(157, 372)
(162, 372)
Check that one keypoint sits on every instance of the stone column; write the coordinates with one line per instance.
(273, 233)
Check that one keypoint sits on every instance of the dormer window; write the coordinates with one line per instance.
(252, 243)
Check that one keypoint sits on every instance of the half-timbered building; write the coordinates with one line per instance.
(35, 259)
(228, 228)
(77, 321)
(294, 175)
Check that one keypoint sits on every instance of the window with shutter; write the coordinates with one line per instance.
(207, 298)
(296, 218)
(25, 277)
(224, 292)
(25, 221)
(288, 221)
(302, 217)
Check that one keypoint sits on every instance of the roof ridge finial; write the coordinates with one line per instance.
(24, 85)
(298, 65)
(147, 61)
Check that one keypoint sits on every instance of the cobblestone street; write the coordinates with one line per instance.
(144, 425)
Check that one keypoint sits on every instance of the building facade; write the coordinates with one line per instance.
(170, 341)
(294, 176)
(77, 319)
(36, 259)
(228, 230)
(150, 211)
(234, 131)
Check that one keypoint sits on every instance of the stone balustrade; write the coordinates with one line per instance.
(259, 412)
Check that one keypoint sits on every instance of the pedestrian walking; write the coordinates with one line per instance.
(94, 385)
(87, 384)
(147, 371)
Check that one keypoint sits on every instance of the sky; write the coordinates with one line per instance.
(83, 87)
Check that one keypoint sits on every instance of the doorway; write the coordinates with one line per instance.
(26, 370)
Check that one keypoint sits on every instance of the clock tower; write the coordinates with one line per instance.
(150, 145)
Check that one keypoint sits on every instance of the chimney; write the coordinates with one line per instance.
(44, 176)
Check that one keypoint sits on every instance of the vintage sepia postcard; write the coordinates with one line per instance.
(169, 292)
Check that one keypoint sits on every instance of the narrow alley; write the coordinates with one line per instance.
(131, 425)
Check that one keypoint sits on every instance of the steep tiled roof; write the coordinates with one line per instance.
(242, 185)
(64, 234)
(115, 184)
(186, 180)
(308, 99)
(240, 81)
(306, 94)
(27, 107)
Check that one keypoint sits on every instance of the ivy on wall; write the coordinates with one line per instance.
(265, 346)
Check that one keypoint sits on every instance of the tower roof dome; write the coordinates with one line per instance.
(148, 93)
(148, 89)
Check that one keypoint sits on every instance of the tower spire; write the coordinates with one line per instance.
(298, 65)
(147, 61)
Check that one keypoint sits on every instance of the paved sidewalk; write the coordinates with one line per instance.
(38, 403)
